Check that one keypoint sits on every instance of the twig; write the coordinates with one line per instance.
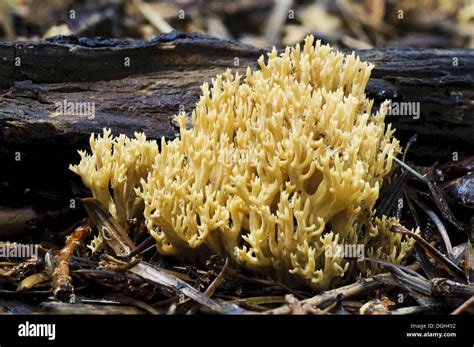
(352, 42)
(154, 17)
(142, 247)
(276, 20)
(297, 307)
(352, 21)
(464, 306)
(118, 265)
(436, 288)
(360, 287)
(449, 288)
(215, 27)
(328, 309)
(6, 22)
(406, 280)
(61, 281)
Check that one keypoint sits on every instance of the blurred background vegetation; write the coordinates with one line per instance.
(354, 24)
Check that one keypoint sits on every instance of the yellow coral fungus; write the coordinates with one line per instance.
(116, 163)
(280, 167)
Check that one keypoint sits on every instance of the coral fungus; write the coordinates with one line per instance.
(280, 167)
(118, 164)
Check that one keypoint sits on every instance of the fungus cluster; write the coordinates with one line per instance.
(279, 168)
(116, 165)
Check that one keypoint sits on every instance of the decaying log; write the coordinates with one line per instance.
(139, 85)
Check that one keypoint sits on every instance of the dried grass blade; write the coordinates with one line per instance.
(443, 260)
(213, 286)
(33, 280)
(385, 206)
(108, 227)
(439, 225)
(156, 275)
(439, 199)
